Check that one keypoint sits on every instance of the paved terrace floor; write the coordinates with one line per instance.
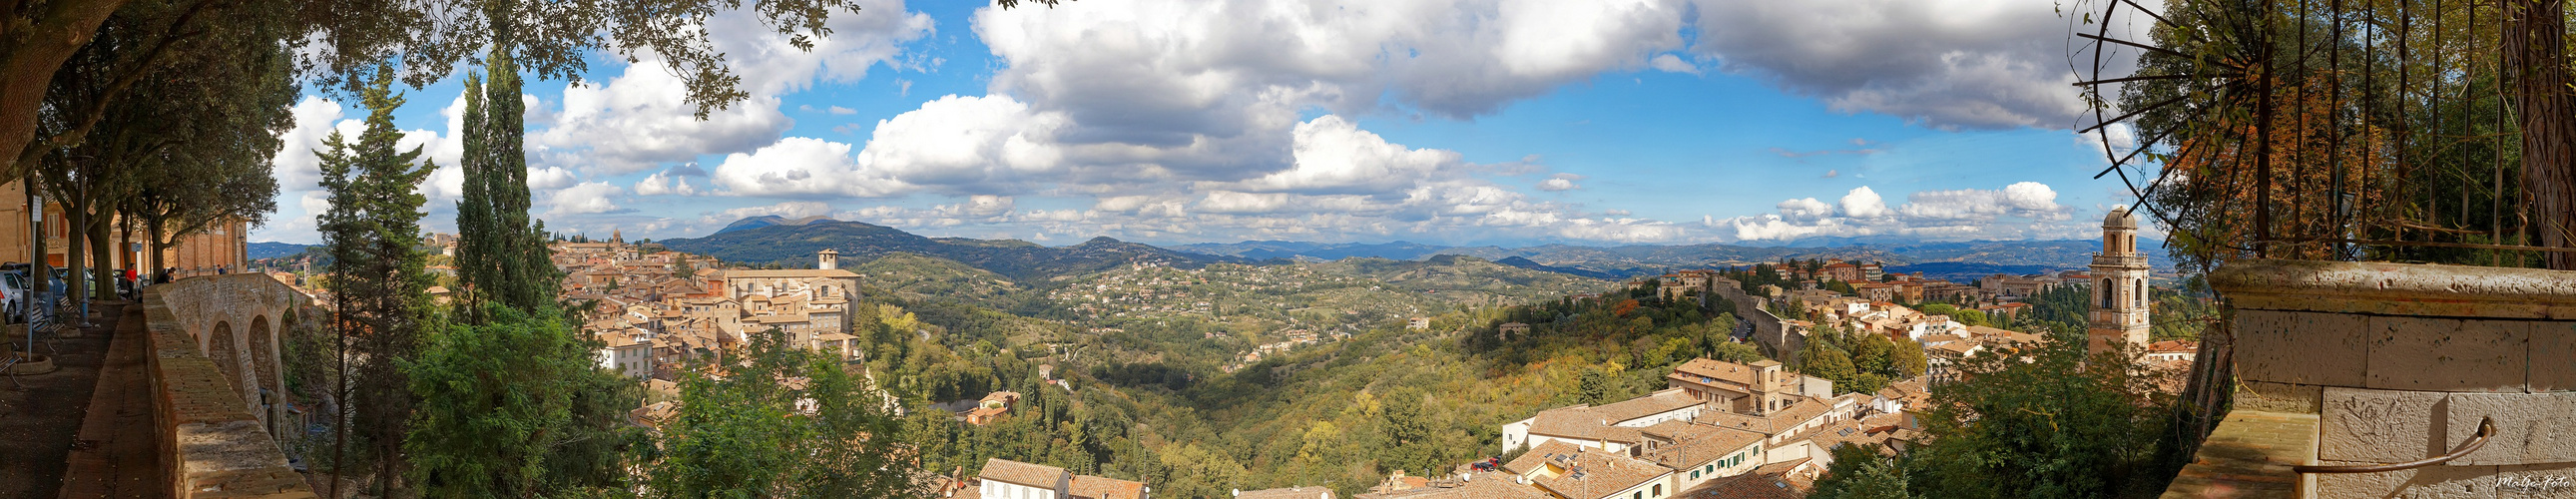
(41, 415)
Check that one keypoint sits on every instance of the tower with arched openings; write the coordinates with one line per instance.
(2119, 285)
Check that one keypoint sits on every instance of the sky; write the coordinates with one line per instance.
(1509, 122)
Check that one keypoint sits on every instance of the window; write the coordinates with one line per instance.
(1659, 490)
(1639, 495)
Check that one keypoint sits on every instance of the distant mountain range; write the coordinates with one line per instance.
(1615, 262)
(273, 250)
(770, 220)
(793, 243)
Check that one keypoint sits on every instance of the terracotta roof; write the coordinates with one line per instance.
(1696, 369)
(1773, 423)
(1093, 487)
(1654, 403)
(1746, 486)
(1602, 474)
(1530, 461)
(1694, 444)
(1034, 475)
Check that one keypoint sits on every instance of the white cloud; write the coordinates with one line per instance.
(2022, 210)
(1673, 64)
(1805, 210)
(843, 110)
(1333, 155)
(967, 145)
(588, 197)
(800, 167)
(659, 184)
(1556, 184)
(542, 178)
(1864, 203)
(638, 119)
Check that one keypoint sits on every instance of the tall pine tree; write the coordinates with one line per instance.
(380, 280)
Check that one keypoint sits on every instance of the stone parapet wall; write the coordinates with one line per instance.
(2400, 362)
(211, 442)
(1767, 329)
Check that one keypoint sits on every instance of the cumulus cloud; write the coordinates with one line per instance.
(800, 167)
(1560, 182)
(1944, 63)
(1673, 64)
(1864, 203)
(585, 198)
(1333, 155)
(659, 184)
(2018, 211)
(637, 119)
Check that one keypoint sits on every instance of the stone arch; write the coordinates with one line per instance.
(263, 356)
(224, 348)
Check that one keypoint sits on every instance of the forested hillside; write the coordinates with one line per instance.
(1340, 413)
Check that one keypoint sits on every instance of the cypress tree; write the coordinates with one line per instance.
(379, 277)
(501, 253)
(475, 270)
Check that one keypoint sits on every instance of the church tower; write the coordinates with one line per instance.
(2119, 285)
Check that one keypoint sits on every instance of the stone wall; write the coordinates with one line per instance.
(2400, 363)
(1767, 328)
(208, 414)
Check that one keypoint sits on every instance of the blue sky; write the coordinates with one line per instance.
(1463, 122)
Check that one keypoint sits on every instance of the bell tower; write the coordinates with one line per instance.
(2119, 285)
(827, 259)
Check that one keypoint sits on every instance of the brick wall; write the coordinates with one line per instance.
(211, 442)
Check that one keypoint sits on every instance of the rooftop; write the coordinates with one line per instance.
(1035, 475)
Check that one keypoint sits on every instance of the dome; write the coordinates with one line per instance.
(2120, 218)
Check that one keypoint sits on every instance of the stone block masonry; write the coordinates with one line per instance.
(2399, 363)
(213, 445)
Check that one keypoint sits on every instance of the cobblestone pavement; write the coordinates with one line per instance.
(39, 420)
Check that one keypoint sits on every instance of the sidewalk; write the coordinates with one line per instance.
(116, 455)
(38, 423)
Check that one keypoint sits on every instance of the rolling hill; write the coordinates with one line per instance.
(794, 245)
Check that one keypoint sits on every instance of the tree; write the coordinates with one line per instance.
(782, 421)
(429, 37)
(2060, 425)
(1907, 359)
(1827, 361)
(1739, 353)
(215, 115)
(380, 282)
(2535, 47)
(501, 252)
(1859, 472)
(499, 410)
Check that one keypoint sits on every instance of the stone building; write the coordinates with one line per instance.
(2119, 286)
(805, 302)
